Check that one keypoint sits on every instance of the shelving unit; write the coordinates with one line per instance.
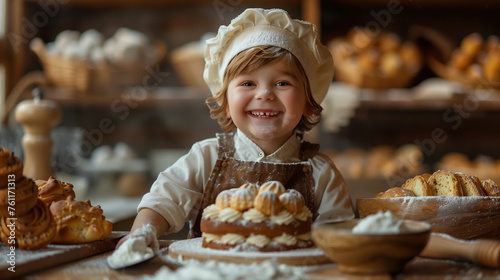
(406, 117)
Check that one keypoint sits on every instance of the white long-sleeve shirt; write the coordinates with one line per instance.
(177, 191)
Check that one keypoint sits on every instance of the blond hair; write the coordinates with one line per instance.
(250, 60)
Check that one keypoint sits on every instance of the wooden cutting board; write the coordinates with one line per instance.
(191, 249)
(27, 262)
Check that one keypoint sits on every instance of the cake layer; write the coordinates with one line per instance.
(271, 247)
(246, 228)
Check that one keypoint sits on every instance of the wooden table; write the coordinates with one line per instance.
(95, 267)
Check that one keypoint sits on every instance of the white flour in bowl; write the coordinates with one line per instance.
(382, 222)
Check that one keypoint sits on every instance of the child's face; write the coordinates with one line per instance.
(268, 103)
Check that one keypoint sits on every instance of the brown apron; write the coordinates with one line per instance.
(229, 172)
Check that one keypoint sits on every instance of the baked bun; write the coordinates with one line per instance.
(79, 221)
(34, 230)
(444, 183)
(267, 203)
(223, 199)
(250, 186)
(25, 195)
(273, 186)
(292, 201)
(397, 192)
(242, 199)
(470, 185)
(11, 167)
(54, 190)
(490, 188)
(419, 186)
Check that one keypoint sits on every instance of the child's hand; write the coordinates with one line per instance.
(148, 232)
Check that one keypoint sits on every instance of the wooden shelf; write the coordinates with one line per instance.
(369, 99)
(132, 96)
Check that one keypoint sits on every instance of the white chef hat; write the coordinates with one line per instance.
(274, 27)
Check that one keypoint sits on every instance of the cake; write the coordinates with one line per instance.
(262, 218)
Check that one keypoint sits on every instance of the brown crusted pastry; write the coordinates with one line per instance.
(360, 38)
(292, 201)
(79, 221)
(397, 192)
(250, 186)
(419, 186)
(242, 199)
(24, 193)
(368, 60)
(460, 60)
(445, 183)
(411, 55)
(470, 187)
(223, 199)
(472, 44)
(34, 230)
(490, 187)
(267, 203)
(389, 42)
(391, 64)
(54, 190)
(492, 66)
(11, 169)
(5, 156)
(273, 186)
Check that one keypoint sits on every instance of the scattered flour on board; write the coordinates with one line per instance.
(214, 270)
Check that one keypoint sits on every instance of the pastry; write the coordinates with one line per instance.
(33, 230)
(24, 193)
(490, 187)
(471, 45)
(242, 199)
(79, 221)
(292, 201)
(444, 183)
(223, 200)
(419, 186)
(268, 203)
(11, 167)
(470, 185)
(273, 186)
(54, 190)
(274, 223)
(396, 192)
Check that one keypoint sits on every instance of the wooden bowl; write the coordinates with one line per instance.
(370, 253)
(461, 217)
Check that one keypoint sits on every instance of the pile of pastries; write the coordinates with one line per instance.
(375, 59)
(477, 59)
(35, 213)
(481, 165)
(379, 161)
(443, 183)
(26, 220)
(262, 218)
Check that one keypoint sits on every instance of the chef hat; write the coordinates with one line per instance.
(274, 27)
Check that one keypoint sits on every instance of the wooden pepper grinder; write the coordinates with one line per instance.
(38, 116)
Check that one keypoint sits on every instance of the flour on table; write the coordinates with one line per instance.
(131, 251)
(213, 270)
(382, 222)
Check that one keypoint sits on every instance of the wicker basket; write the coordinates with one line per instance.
(189, 64)
(80, 76)
(350, 72)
